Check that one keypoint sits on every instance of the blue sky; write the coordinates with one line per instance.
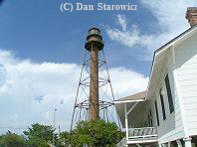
(41, 51)
(38, 30)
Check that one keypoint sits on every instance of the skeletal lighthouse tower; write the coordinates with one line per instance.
(94, 94)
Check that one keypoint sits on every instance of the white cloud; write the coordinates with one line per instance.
(25, 81)
(128, 38)
(126, 82)
(170, 21)
(122, 21)
(31, 91)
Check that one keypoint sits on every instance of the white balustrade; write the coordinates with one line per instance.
(145, 132)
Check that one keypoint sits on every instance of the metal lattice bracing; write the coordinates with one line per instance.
(105, 94)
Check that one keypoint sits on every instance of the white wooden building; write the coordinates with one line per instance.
(166, 114)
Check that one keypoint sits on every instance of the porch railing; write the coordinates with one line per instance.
(146, 132)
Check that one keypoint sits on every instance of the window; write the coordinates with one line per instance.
(150, 121)
(169, 94)
(162, 105)
(157, 115)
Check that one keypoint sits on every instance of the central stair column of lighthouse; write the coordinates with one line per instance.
(94, 44)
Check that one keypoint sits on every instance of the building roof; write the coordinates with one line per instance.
(183, 36)
(140, 96)
(130, 101)
(176, 38)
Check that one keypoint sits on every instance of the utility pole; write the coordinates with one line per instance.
(59, 130)
(54, 126)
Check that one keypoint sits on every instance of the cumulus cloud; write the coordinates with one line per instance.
(127, 82)
(170, 21)
(128, 38)
(30, 92)
(26, 82)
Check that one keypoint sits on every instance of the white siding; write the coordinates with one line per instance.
(186, 64)
(171, 128)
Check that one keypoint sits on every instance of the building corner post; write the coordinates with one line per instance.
(126, 121)
(188, 141)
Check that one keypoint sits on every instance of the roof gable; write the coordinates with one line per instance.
(162, 52)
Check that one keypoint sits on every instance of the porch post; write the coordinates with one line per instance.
(126, 121)
(188, 142)
(164, 145)
(179, 143)
(138, 145)
(169, 143)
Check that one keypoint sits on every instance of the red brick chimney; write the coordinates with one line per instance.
(191, 16)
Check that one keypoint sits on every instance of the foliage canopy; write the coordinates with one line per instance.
(12, 140)
(39, 135)
(92, 133)
(95, 133)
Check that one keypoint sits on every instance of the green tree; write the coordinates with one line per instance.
(63, 139)
(95, 133)
(40, 135)
(12, 140)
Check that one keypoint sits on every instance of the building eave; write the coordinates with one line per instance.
(128, 101)
(163, 49)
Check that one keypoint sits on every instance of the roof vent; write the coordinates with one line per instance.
(191, 16)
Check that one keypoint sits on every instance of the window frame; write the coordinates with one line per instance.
(162, 104)
(169, 93)
(157, 113)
